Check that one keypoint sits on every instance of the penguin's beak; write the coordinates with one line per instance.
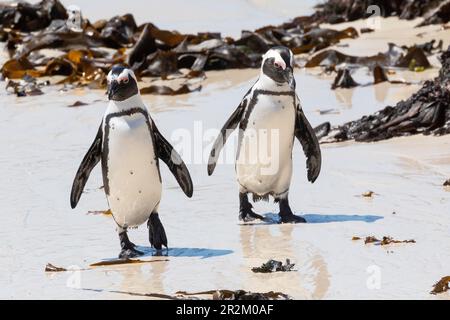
(112, 89)
(289, 77)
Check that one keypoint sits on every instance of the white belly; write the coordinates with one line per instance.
(132, 172)
(264, 161)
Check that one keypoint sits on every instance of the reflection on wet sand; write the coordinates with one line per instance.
(259, 243)
(344, 97)
(381, 91)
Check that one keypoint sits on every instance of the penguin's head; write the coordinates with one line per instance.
(122, 83)
(278, 65)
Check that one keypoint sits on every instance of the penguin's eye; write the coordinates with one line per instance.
(126, 80)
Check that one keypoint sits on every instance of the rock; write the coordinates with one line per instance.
(343, 80)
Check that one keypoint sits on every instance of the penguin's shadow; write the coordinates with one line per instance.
(202, 253)
(273, 218)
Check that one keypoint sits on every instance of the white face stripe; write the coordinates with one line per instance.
(125, 74)
(276, 55)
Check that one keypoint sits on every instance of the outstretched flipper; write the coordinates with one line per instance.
(173, 160)
(226, 131)
(90, 160)
(305, 134)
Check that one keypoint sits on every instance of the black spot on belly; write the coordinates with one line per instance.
(140, 191)
(131, 172)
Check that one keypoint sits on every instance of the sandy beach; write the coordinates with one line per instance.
(44, 140)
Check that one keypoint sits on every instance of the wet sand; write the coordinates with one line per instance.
(44, 142)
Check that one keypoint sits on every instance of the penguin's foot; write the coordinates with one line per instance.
(156, 233)
(248, 216)
(286, 215)
(246, 213)
(129, 253)
(128, 247)
(291, 218)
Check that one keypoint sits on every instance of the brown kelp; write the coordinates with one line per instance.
(441, 286)
(89, 50)
(385, 241)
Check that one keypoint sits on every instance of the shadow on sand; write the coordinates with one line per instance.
(202, 253)
(273, 218)
(325, 218)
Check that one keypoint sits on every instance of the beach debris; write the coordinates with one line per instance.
(437, 15)
(446, 183)
(337, 11)
(137, 294)
(343, 80)
(441, 286)
(89, 50)
(322, 130)
(368, 194)
(123, 261)
(379, 75)
(427, 111)
(238, 295)
(78, 103)
(28, 86)
(167, 91)
(204, 295)
(385, 241)
(98, 212)
(395, 56)
(51, 268)
(274, 266)
(366, 30)
(29, 17)
(328, 111)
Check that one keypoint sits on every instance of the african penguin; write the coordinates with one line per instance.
(129, 146)
(269, 117)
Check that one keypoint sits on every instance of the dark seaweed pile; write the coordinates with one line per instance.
(415, 58)
(427, 111)
(335, 11)
(274, 266)
(89, 52)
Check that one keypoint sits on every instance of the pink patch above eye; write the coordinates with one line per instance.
(123, 79)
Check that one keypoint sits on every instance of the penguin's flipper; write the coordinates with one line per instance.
(305, 134)
(174, 161)
(226, 131)
(90, 160)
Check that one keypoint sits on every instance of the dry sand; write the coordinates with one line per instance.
(43, 142)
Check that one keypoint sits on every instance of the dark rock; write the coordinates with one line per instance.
(343, 80)
(379, 75)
